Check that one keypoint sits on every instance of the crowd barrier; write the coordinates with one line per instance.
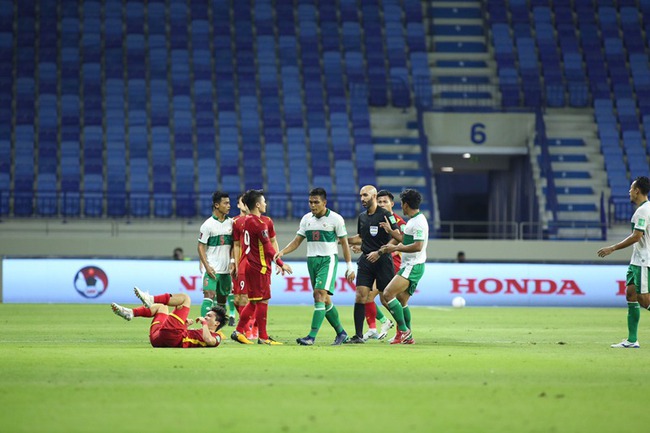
(103, 281)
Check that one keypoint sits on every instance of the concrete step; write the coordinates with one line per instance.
(398, 148)
(395, 164)
(455, 38)
(578, 199)
(401, 181)
(578, 216)
(590, 166)
(579, 233)
(435, 56)
(465, 72)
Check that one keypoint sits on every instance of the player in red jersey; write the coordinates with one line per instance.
(239, 282)
(171, 330)
(259, 252)
(385, 200)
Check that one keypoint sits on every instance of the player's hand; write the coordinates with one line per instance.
(350, 276)
(355, 248)
(201, 320)
(210, 271)
(286, 269)
(385, 224)
(233, 271)
(189, 322)
(605, 251)
(373, 256)
(277, 256)
(387, 249)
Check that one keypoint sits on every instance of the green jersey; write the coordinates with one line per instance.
(416, 229)
(217, 237)
(322, 233)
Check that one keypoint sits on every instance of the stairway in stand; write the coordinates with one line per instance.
(578, 171)
(460, 56)
(399, 162)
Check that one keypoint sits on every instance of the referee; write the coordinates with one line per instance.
(371, 266)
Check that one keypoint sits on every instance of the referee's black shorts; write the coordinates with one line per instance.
(381, 271)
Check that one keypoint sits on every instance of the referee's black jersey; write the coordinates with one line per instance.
(372, 235)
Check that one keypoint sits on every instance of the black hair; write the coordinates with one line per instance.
(220, 312)
(319, 192)
(252, 197)
(642, 183)
(411, 197)
(218, 195)
(385, 193)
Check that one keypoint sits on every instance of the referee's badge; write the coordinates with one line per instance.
(374, 230)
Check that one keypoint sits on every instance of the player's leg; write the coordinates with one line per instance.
(322, 273)
(160, 315)
(370, 309)
(633, 280)
(365, 280)
(332, 316)
(209, 293)
(231, 309)
(318, 316)
(222, 289)
(397, 285)
(262, 311)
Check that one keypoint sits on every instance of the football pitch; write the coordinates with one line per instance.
(79, 368)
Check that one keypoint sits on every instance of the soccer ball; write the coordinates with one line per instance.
(458, 302)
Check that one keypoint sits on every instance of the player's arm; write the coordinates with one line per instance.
(207, 336)
(392, 229)
(349, 272)
(270, 251)
(633, 238)
(291, 247)
(203, 258)
(354, 240)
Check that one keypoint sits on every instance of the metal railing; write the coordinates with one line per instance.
(527, 230)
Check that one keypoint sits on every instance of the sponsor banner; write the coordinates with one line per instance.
(105, 281)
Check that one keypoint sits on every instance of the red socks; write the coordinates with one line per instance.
(142, 312)
(371, 315)
(162, 299)
(260, 317)
(245, 315)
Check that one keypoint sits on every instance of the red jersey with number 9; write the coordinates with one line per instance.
(257, 234)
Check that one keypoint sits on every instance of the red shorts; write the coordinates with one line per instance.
(259, 285)
(239, 286)
(168, 330)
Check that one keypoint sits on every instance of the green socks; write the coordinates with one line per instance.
(407, 316)
(205, 306)
(231, 305)
(332, 315)
(317, 318)
(398, 313)
(380, 316)
(633, 315)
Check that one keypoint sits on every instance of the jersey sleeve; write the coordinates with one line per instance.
(641, 222)
(204, 233)
(236, 229)
(420, 230)
(270, 227)
(302, 228)
(341, 230)
(263, 235)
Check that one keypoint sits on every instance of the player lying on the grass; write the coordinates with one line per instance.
(171, 330)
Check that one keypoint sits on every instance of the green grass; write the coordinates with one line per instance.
(79, 368)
